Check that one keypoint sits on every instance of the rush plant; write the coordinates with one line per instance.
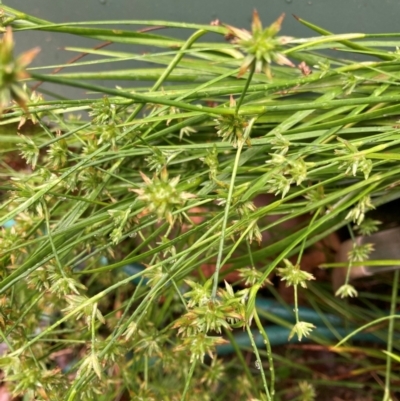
(138, 240)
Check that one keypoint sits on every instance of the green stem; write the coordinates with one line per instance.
(5, 339)
(93, 327)
(366, 326)
(53, 247)
(249, 78)
(228, 206)
(250, 254)
(134, 96)
(347, 43)
(303, 233)
(269, 351)
(305, 239)
(146, 371)
(148, 299)
(296, 307)
(188, 379)
(259, 362)
(350, 264)
(393, 304)
(169, 69)
(244, 365)
(225, 220)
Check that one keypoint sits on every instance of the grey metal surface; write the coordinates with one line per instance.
(336, 15)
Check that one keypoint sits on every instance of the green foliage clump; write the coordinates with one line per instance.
(122, 214)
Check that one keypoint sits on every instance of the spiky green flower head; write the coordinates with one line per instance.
(346, 290)
(262, 46)
(301, 329)
(293, 275)
(162, 196)
(12, 71)
(231, 127)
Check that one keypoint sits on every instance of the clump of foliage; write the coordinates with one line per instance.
(115, 207)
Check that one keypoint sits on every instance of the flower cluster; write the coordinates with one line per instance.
(251, 276)
(368, 226)
(159, 159)
(120, 219)
(301, 329)
(360, 252)
(245, 212)
(346, 290)
(102, 112)
(231, 128)
(280, 144)
(279, 183)
(108, 133)
(12, 71)
(357, 214)
(262, 46)
(307, 391)
(29, 151)
(162, 195)
(211, 159)
(354, 160)
(350, 82)
(207, 315)
(58, 154)
(293, 275)
(315, 195)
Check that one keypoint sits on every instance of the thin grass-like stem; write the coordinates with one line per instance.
(393, 306)
(244, 92)
(259, 364)
(227, 208)
(269, 352)
(188, 379)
